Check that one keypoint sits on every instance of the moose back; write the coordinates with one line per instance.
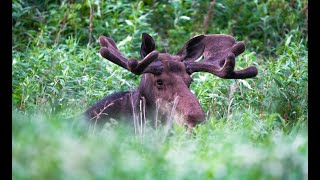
(164, 91)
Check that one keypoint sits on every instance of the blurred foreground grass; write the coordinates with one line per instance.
(245, 146)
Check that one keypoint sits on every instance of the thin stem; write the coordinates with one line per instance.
(63, 23)
(208, 17)
(91, 23)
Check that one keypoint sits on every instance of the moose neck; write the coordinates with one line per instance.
(143, 94)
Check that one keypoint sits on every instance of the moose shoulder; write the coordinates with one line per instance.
(164, 87)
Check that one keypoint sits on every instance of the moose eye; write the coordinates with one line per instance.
(159, 82)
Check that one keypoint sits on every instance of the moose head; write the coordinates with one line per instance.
(164, 87)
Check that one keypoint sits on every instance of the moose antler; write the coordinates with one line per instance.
(110, 51)
(219, 52)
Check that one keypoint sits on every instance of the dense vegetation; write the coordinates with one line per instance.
(255, 129)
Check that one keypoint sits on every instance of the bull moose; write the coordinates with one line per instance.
(164, 87)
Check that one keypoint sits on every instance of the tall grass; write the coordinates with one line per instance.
(247, 146)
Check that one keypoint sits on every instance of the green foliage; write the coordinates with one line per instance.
(263, 25)
(255, 128)
(249, 147)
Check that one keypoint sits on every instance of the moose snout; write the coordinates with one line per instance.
(191, 110)
(193, 118)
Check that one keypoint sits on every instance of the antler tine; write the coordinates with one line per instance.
(110, 51)
(226, 71)
(219, 58)
(143, 66)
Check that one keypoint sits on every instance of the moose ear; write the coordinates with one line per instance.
(147, 45)
(193, 49)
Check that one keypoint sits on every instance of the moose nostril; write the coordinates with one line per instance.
(195, 118)
(160, 82)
